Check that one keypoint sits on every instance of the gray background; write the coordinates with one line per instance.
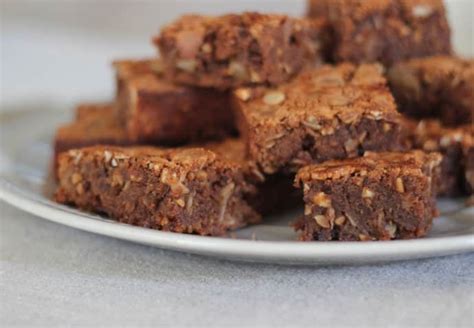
(57, 53)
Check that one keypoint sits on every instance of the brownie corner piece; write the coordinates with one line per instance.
(239, 49)
(387, 31)
(189, 190)
(380, 196)
(332, 112)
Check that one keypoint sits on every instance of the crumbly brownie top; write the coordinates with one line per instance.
(372, 165)
(345, 92)
(189, 161)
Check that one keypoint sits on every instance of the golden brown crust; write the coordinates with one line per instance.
(369, 165)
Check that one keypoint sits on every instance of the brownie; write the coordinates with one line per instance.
(234, 50)
(332, 112)
(188, 190)
(431, 136)
(380, 196)
(156, 111)
(94, 124)
(440, 87)
(386, 31)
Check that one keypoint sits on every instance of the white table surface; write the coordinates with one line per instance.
(56, 53)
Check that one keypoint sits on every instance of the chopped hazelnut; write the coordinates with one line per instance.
(391, 228)
(76, 178)
(399, 185)
(243, 94)
(340, 220)
(322, 221)
(180, 202)
(422, 11)
(107, 155)
(274, 98)
(206, 48)
(367, 193)
(238, 71)
(364, 237)
(187, 65)
(322, 200)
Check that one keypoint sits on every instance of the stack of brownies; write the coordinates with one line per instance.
(360, 110)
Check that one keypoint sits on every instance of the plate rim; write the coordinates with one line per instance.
(247, 250)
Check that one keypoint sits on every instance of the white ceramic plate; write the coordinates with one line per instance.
(24, 183)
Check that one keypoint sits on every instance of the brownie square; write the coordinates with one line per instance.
(432, 136)
(188, 190)
(155, 111)
(380, 196)
(234, 50)
(440, 87)
(386, 31)
(332, 112)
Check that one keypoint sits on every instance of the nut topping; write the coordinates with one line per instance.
(322, 221)
(422, 11)
(243, 94)
(399, 185)
(340, 220)
(322, 200)
(274, 98)
(187, 65)
(367, 193)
